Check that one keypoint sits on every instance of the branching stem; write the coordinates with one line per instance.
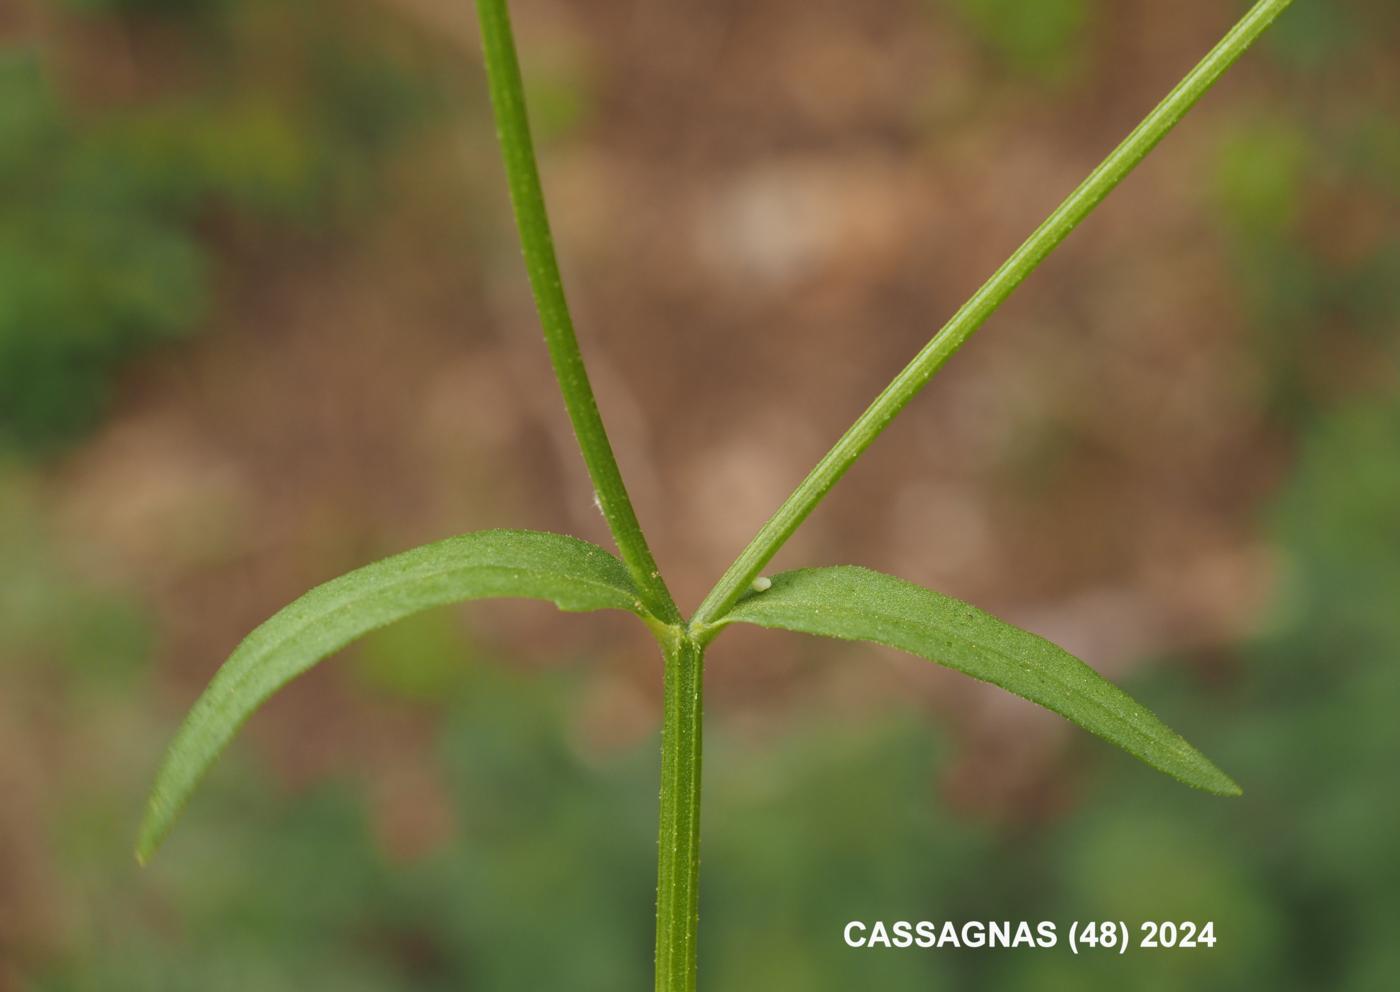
(677, 898)
(527, 197)
(974, 312)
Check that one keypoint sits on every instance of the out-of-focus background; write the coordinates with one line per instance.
(263, 319)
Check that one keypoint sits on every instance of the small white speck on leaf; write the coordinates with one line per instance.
(762, 584)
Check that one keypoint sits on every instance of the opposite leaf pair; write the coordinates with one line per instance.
(843, 602)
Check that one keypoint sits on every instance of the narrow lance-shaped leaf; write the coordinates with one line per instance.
(857, 604)
(573, 574)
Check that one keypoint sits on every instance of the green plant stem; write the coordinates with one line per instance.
(527, 197)
(976, 310)
(678, 843)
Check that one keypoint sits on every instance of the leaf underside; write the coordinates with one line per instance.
(573, 574)
(857, 604)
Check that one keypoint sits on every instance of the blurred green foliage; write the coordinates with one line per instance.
(52, 618)
(823, 823)
(1044, 39)
(1308, 209)
(1314, 34)
(1260, 176)
(546, 878)
(105, 249)
(89, 268)
(560, 98)
(418, 658)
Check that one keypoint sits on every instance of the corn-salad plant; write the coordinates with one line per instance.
(843, 602)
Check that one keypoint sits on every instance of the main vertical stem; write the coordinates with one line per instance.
(678, 846)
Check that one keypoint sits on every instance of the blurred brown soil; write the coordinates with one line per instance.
(768, 207)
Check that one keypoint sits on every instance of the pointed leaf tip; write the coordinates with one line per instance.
(573, 574)
(858, 604)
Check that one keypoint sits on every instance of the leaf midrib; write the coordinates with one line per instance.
(351, 600)
(917, 627)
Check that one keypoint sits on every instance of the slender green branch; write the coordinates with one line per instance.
(976, 310)
(678, 843)
(513, 129)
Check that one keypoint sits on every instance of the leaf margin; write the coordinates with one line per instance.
(507, 564)
(1172, 755)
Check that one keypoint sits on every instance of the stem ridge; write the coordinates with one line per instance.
(678, 840)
